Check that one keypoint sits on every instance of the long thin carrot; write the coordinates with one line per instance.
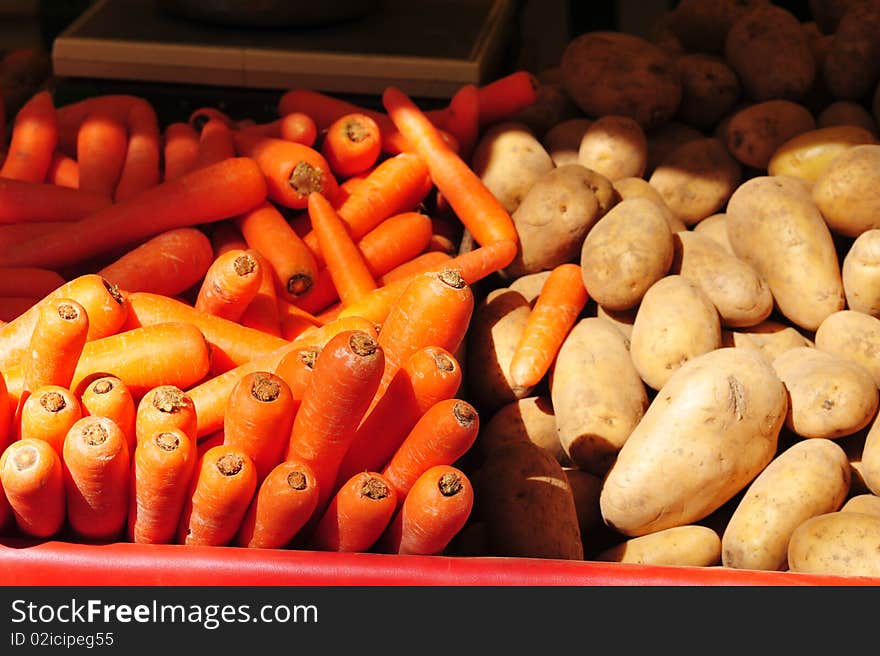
(28, 281)
(100, 152)
(162, 468)
(357, 515)
(284, 502)
(427, 261)
(262, 312)
(22, 201)
(216, 143)
(477, 208)
(63, 171)
(180, 147)
(32, 141)
(213, 193)
(47, 413)
(108, 396)
(229, 285)
(463, 119)
(56, 344)
(165, 408)
(96, 478)
(32, 478)
(141, 169)
(556, 309)
(221, 492)
(352, 144)
(71, 116)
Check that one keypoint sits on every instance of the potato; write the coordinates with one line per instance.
(808, 479)
(829, 397)
(597, 395)
(530, 285)
(847, 112)
(702, 25)
(526, 502)
(860, 272)
(711, 429)
(608, 72)
(740, 295)
(854, 336)
(554, 217)
(563, 140)
(852, 65)
(665, 138)
(870, 459)
(769, 338)
(526, 420)
(696, 179)
(509, 158)
(847, 192)
(676, 322)
(809, 153)
(615, 147)
(623, 320)
(709, 89)
(551, 107)
(585, 489)
(773, 224)
(626, 252)
(868, 504)
(678, 546)
(854, 445)
(755, 132)
(827, 13)
(715, 227)
(770, 53)
(634, 187)
(836, 544)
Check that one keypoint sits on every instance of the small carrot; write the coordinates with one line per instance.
(141, 168)
(215, 143)
(162, 468)
(32, 478)
(284, 502)
(298, 127)
(47, 414)
(427, 261)
(100, 152)
(201, 116)
(463, 119)
(165, 408)
(358, 514)
(556, 309)
(262, 312)
(22, 201)
(96, 478)
(259, 416)
(63, 171)
(107, 396)
(32, 141)
(325, 109)
(435, 510)
(507, 96)
(352, 144)
(180, 147)
(229, 285)
(56, 344)
(28, 281)
(221, 492)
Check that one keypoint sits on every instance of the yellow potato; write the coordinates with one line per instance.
(585, 489)
(715, 227)
(847, 192)
(809, 153)
(870, 458)
(679, 546)
(633, 187)
(615, 147)
(836, 544)
(853, 336)
(757, 131)
(769, 338)
(530, 285)
(861, 273)
(868, 504)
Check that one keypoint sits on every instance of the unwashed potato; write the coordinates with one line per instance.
(769, 338)
(702, 25)
(773, 224)
(709, 89)
(808, 154)
(676, 322)
(755, 132)
(808, 479)
(847, 112)
(563, 140)
(854, 336)
(860, 271)
(551, 107)
(715, 228)
(679, 546)
(852, 65)
(696, 179)
(530, 419)
(665, 138)
(868, 504)
(847, 191)
(626, 252)
(836, 544)
(634, 187)
(622, 74)
(597, 395)
(530, 285)
(615, 147)
(710, 430)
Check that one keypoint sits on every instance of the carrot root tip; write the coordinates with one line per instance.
(168, 399)
(167, 441)
(296, 480)
(453, 278)
(362, 344)
(244, 265)
(299, 283)
(265, 389)
(306, 179)
(24, 458)
(102, 386)
(94, 434)
(464, 414)
(374, 488)
(67, 312)
(53, 402)
(230, 464)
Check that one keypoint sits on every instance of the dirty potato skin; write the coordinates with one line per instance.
(851, 66)
(702, 25)
(709, 87)
(847, 191)
(808, 154)
(530, 419)
(861, 273)
(836, 544)
(634, 187)
(563, 140)
(757, 131)
(769, 338)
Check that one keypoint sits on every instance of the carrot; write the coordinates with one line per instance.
(165, 408)
(32, 478)
(56, 344)
(294, 320)
(47, 413)
(215, 192)
(284, 502)
(108, 396)
(295, 369)
(298, 127)
(427, 261)
(11, 307)
(477, 208)
(352, 144)
(33, 140)
(357, 515)
(63, 171)
(22, 201)
(266, 230)
(16, 233)
(201, 116)
(344, 380)
(169, 263)
(345, 263)
(507, 96)
(180, 148)
(463, 119)
(215, 143)
(324, 109)
(28, 281)
(162, 467)
(429, 376)
(96, 478)
(225, 236)
(6, 415)
(141, 168)
(70, 117)
(556, 309)
(229, 285)
(292, 170)
(221, 492)
(209, 442)
(259, 416)
(262, 312)
(435, 510)
(101, 144)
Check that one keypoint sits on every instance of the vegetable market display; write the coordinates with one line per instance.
(624, 310)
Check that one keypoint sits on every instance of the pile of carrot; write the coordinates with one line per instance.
(220, 332)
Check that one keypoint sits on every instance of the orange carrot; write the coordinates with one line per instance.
(229, 285)
(507, 96)
(215, 143)
(6, 415)
(11, 307)
(428, 261)
(283, 504)
(258, 419)
(324, 109)
(16, 233)
(477, 208)
(100, 152)
(22, 201)
(169, 263)
(225, 236)
(298, 127)
(352, 144)
(180, 148)
(556, 309)
(107, 396)
(141, 169)
(262, 312)
(215, 192)
(295, 369)
(32, 478)
(358, 514)
(63, 171)
(56, 344)
(70, 117)
(165, 408)
(209, 442)
(47, 413)
(295, 319)
(437, 507)
(201, 116)
(162, 468)
(221, 492)
(96, 478)
(463, 119)
(33, 140)
(28, 281)
(292, 170)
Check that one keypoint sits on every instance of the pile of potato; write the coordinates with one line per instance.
(716, 404)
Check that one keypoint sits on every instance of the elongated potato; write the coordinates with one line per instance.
(809, 153)
(836, 544)
(526, 420)
(868, 504)
(597, 395)
(860, 271)
(615, 147)
(847, 192)
(711, 429)
(770, 338)
(633, 187)
(808, 479)
(773, 224)
(853, 336)
(757, 131)
(676, 322)
(709, 89)
(679, 546)
(563, 140)
(715, 227)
